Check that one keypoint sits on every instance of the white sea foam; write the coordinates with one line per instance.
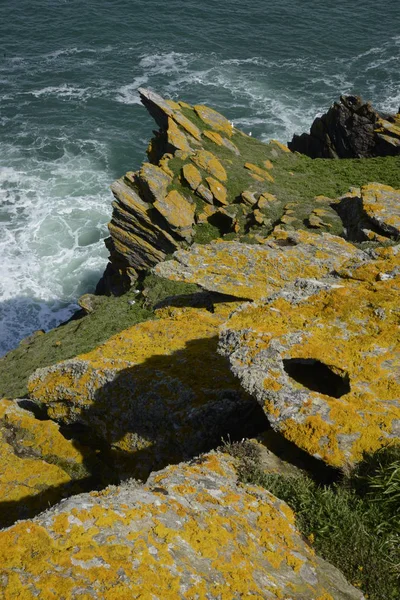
(54, 218)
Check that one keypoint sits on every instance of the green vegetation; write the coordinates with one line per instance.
(353, 523)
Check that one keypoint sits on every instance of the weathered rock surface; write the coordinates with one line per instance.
(195, 163)
(325, 368)
(156, 393)
(350, 129)
(191, 532)
(256, 271)
(371, 212)
(38, 466)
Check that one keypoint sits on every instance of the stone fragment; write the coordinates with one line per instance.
(191, 532)
(257, 271)
(192, 176)
(38, 466)
(205, 193)
(325, 368)
(207, 161)
(268, 164)
(155, 393)
(221, 141)
(176, 138)
(213, 119)
(255, 170)
(248, 198)
(153, 182)
(218, 191)
(266, 200)
(178, 212)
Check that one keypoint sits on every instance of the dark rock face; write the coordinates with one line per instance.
(350, 129)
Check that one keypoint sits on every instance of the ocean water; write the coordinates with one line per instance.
(71, 121)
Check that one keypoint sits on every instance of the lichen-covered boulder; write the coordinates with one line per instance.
(38, 466)
(155, 393)
(371, 212)
(256, 271)
(192, 532)
(325, 368)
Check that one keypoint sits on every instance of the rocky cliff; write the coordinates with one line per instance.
(265, 302)
(350, 129)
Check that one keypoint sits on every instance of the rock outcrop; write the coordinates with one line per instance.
(191, 532)
(255, 272)
(326, 368)
(371, 212)
(155, 394)
(199, 176)
(38, 466)
(350, 129)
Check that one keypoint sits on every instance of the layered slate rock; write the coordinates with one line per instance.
(257, 271)
(191, 532)
(38, 466)
(350, 129)
(192, 182)
(371, 212)
(155, 394)
(324, 368)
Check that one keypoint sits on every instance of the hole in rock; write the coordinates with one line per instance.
(318, 377)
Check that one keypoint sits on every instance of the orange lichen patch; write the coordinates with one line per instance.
(207, 161)
(214, 137)
(213, 119)
(256, 271)
(36, 462)
(143, 388)
(156, 542)
(163, 164)
(255, 170)
(351, 332)
(268, 164)
(178, 212)
(279, 145)
(187, 125)
(176, 138)
(191, 175)
(385, 266)
(218, 191)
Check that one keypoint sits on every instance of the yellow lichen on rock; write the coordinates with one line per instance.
(213, 119)
(176, 138)
(178, 212)
(337, 353)
(37, 464)
(218, 191)
(257, 271)
(255, 170)
(146, 391)
(192, 176)
(207, 161)
(191, 532)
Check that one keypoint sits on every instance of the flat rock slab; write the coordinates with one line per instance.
(325, 369)
(255, 272)
(191, 532)
(155, 393)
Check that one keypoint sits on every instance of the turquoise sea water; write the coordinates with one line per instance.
(71, 121)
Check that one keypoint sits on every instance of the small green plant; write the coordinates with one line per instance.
(353, 523)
